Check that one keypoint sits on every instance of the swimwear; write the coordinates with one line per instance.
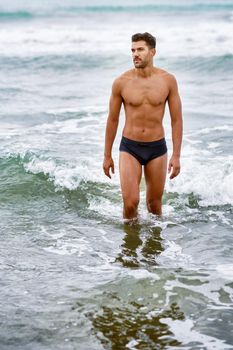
(143, 151)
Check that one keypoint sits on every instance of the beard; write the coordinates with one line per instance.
(140, 64)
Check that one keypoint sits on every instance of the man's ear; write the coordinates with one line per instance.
(153, 51)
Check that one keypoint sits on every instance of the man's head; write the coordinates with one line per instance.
(143, 49)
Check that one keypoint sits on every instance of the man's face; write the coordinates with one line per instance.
(141, 53)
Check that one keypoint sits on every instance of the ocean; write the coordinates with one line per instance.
(72, 275)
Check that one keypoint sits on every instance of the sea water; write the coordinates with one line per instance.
(72, 275)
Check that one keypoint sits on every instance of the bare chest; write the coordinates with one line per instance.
(137, 93)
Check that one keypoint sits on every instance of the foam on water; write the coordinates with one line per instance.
(208, 289)
(75, 37)
(173, 251)
(68, 248)
(205, 174)
(185, 333)
(61, 175)
(131, 345)
(105, 206)
(60, 244)
(225, 270)
(213, 129)
(141, 274)
(38, 145)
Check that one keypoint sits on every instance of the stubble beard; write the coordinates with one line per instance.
(141, 64)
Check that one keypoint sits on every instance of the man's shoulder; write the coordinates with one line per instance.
(168, 78)
(120, 81)
(165, 74)
(124, 76)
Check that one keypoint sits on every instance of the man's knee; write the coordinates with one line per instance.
(155, 206)
(131, 204)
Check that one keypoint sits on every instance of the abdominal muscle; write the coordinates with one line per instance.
(144, 127)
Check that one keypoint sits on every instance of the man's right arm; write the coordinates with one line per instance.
(112, 124)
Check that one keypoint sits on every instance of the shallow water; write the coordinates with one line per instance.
(73, 276)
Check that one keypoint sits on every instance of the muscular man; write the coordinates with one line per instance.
(144, 91)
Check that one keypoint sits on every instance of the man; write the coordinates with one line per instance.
(144, 91)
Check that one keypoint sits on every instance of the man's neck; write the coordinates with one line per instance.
(145, 72)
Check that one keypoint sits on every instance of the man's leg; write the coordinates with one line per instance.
(155, 175)
(130, 177)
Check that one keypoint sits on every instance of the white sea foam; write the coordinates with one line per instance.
(74, 126)
(185, 332)
(69, 247)
(207, 175)
(225, 270)
(131, 345)
(9, 129)
(66, 175)
(55, 235)
(213, 144)
(61, 175)
(105, 207)
(142, 274)
(215, 128)
(210, 286)
(76, 109)
(201, 173)
(73, 37)
(173, 251)
(103, 235)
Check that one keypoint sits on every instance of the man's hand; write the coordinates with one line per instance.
(107, 165)
(174, 164)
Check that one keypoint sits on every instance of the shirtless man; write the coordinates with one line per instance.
(144, 91)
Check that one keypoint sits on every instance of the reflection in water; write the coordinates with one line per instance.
(116, 327)
(130, 316)
(131, 255)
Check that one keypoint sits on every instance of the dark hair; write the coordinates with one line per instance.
(147, 37)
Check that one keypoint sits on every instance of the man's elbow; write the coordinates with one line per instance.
(113, 119)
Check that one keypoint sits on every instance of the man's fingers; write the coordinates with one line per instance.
(172, 176)
(107, 173)
(175, 172)
(107, 166)
(169, 167)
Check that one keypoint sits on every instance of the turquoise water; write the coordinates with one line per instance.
(73, 276)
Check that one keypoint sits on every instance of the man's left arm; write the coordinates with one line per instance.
(175, 108)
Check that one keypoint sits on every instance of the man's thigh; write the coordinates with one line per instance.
(130, 175)
(155, 175)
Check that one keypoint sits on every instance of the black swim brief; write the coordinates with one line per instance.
(143, 151)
